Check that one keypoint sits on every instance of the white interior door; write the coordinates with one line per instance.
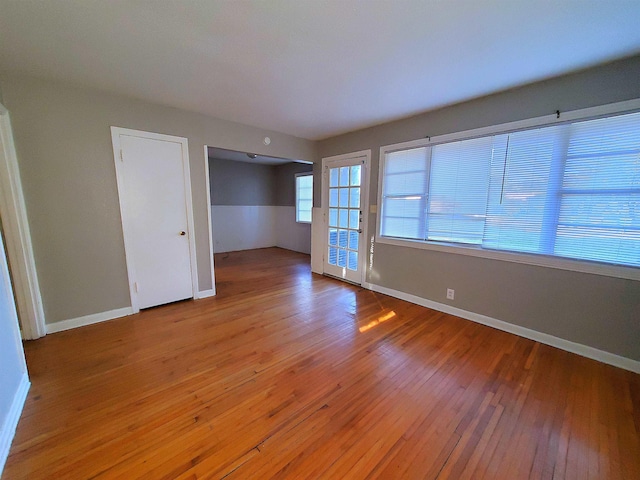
(153, 182)
(344, 202)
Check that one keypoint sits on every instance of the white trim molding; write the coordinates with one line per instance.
(8, 430)
(562, 344)
(18, 236)
(207, 180)
(317, 240)
(205, 294)
(88, 320)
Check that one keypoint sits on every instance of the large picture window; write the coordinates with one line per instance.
(567, 190)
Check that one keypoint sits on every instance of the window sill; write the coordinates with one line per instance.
(583, 266)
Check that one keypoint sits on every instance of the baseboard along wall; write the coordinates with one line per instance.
(577, 348)
(88, 320)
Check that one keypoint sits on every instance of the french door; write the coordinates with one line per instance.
(344, 211)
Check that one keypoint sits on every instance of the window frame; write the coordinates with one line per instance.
(543, 260)
(295, 186)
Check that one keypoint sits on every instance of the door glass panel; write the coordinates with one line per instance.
(354, 197)
(333, 236)
(342, 257)
(355, 176)
(333, 256)
(333, 217)
(333, 197)
(333, 177)
(342, 238)
(344, 197)
(353, 261)
(354, 237)
(353, 218)
(344, 176)
(343, 218)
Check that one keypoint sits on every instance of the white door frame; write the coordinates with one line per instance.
(365, 155)
(18, 236)
(212, 292)
(126, 229)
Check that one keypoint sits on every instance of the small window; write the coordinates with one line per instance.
(304, 197)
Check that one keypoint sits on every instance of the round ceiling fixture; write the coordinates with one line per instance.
(266, 140)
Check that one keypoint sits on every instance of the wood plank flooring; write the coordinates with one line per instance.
(287, 374)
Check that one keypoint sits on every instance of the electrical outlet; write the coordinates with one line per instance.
(451, 293)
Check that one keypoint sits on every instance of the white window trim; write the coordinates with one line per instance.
(584, 266)
(302, 174)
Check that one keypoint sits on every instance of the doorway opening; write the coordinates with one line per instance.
(258, 201)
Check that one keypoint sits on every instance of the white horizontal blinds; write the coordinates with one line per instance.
(458, 190)
(404, 193)
(522, 166)
(599, 217)
(569, 190)
(304, 197)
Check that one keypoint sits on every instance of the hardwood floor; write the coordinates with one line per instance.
(286, 374)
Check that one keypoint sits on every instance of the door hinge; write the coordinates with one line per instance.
(121, 157)
(135, 287)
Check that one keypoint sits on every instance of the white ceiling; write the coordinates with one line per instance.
(312, 68)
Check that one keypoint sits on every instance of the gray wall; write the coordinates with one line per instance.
(593, 310)
(243, 183)
(63, 142)
(285, 188)
(12, 364)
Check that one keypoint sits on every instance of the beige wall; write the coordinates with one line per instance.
(64, 150)
(593, 310)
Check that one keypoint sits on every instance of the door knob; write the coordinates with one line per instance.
(183, 233)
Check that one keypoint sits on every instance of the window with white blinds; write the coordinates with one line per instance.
(304, 197)
(568, 190)
(404, 193)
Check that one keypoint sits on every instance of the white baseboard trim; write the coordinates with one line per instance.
(88, 320)
(205, 293)
(577, 348)
(11, 422)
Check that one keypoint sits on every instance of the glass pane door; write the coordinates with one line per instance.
(344, 220)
